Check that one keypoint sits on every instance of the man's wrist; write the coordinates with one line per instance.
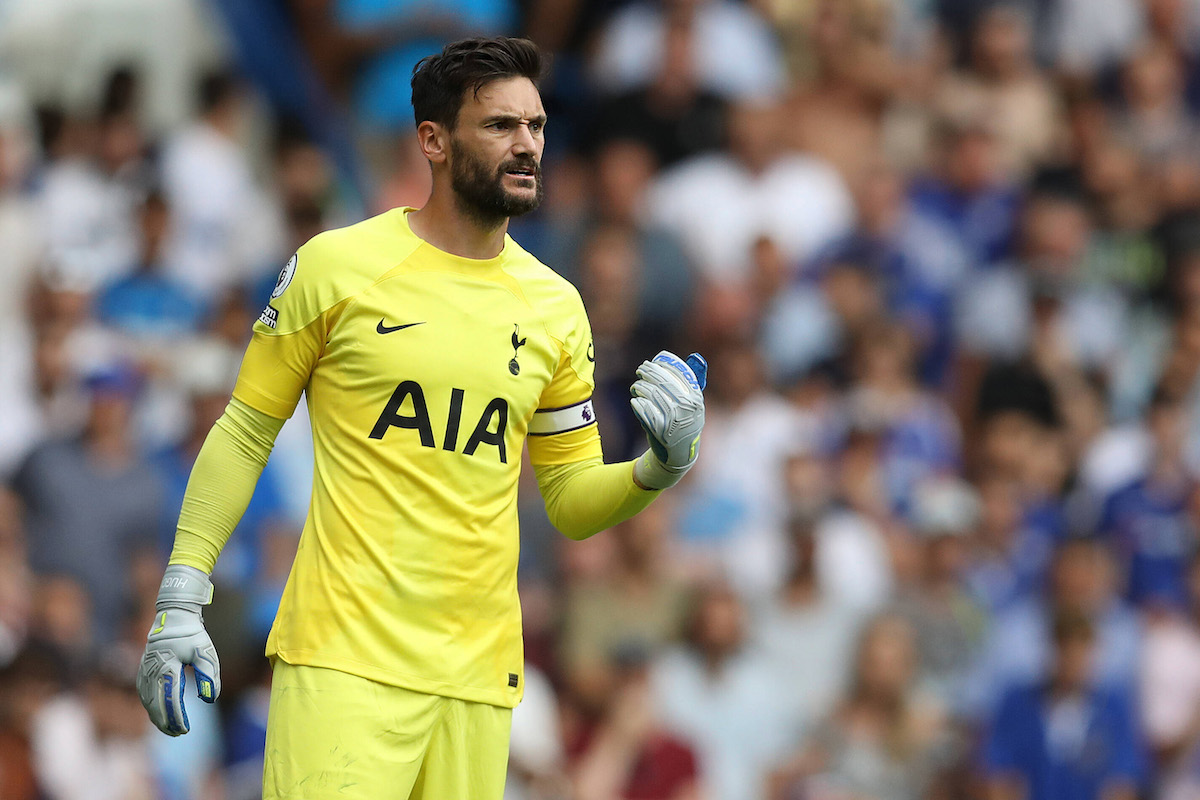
(651, 474)
(184, 587)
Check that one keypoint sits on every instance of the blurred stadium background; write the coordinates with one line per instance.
(944, 259)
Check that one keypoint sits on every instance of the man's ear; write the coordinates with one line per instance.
(434, 140)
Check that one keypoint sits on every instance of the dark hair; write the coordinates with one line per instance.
(215, 89)
(121, 92)
(439, 82)
(1165, 397)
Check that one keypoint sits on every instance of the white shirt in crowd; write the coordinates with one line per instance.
(745, 451)
(735, 52)
(88, 221)
(718, 208)
(223, 229)
(73, 763)
(732, 718)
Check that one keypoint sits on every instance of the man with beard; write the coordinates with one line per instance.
(429, 345)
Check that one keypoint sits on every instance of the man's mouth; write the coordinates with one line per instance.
(522, 172)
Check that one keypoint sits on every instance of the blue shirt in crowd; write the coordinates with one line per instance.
(985, 221)
(1152, 534)
(383, 91)
(1065, 749)
(147, 303)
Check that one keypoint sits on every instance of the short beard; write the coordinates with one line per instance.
(480, 193)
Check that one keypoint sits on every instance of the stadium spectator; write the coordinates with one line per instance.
(1008, 558)
(1018, 648)
(919, 436)
(1046, 305)
(91, 745)
(1156, 119)
(736, 505)
(716, 692)
(92, 502)
(88, 218)
(734, 52)
(948, 624)
(639, 601)
(150, 304)
(61, 619)
(797, 201)
(628, 754)
(805, 633)
(884, 740)
(855, 559)
(1148, 521)
(913, 263)
(1063, 736)
(968, 191)
(223, 229)
(840, 106)
(1005, 88)
(673, 116)
(663, 279)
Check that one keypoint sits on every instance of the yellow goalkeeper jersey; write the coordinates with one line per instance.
(424, 373)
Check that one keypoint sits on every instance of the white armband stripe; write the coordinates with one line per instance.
(549, 421)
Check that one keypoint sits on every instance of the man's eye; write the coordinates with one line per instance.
(535, 126)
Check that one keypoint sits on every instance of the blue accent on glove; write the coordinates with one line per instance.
(169, 693)
(699, 368)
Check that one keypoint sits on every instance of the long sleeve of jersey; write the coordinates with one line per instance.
(586, 497)
(222, 483)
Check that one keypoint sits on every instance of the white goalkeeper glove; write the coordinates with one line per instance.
(668, 401)
(176, 639)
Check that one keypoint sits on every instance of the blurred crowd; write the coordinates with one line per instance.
(943, 256)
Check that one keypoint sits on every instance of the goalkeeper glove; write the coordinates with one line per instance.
(669, 403)
(178, 638)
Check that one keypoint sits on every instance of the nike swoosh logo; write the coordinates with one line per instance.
(381, 328)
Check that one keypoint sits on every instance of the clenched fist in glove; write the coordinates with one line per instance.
(668, 401)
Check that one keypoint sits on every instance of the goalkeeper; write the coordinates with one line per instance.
(430, 349)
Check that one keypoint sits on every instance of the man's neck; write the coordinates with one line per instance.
(443, 224)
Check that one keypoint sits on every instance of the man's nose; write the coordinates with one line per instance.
(524, 142)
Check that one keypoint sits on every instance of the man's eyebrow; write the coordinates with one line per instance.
(540, 118)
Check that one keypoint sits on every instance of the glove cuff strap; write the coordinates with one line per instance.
(184, 586)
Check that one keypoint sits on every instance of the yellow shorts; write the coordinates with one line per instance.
(335, 735)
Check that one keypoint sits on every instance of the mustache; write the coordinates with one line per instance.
(518, 163)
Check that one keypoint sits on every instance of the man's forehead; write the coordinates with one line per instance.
(505, 96)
